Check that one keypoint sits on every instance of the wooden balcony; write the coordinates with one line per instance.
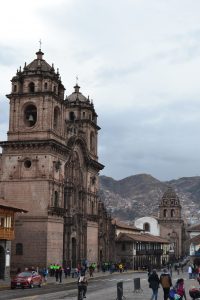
(7, 234)
(149, 252)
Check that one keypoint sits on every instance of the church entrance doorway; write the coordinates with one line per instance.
(2, 262)
(74, 262)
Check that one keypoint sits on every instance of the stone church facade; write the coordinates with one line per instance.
(49, 166)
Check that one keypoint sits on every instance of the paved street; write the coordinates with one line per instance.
(100, 287)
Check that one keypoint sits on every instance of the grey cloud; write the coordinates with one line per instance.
(135, 143)
(117, 73)
(129, 56)
(8, 55)
(4, 110)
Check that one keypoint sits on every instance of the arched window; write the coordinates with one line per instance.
(146, 227)
(165, 213)
(74, 253)
(72, 116)
(56, 117)
(56, 199)
(172, 213)
(92, 142)
(45, 86)
(14, 88)
(92, 208)
(19, 249)
(31, 87)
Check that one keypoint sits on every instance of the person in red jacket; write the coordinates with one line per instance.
(180, 289)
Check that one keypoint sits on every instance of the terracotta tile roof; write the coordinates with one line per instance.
(9, 205)
(195, 227)
(120, 224)
(195, 239)
(143, 237)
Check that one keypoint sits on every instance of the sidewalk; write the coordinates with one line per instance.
(5, 284)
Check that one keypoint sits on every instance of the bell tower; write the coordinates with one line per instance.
(36, 102)
(171, 223)
(170, 208)
(82, 119)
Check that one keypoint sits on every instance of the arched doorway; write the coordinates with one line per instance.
(101, 256)
(74, 262)
(2, 262)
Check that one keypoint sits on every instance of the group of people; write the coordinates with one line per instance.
(193, 271)
(177, 292)
(55, 270)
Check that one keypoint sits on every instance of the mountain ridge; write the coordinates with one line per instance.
(139, 195)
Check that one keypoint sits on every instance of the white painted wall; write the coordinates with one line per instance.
(153, 222)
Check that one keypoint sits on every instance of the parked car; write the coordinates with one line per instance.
(27, 279)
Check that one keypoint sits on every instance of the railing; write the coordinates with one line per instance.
(149, 252)
(7, 233)
(92, 217)
(54, 210)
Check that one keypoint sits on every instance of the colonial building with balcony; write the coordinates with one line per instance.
(194, 240)
(142, 250)
(7, 235)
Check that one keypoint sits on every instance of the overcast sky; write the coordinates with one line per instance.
(139, 60)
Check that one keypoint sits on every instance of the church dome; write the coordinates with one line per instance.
(39, 64)
(38, 76)
(77, 95)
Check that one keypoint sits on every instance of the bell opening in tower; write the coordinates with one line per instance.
(30, 115)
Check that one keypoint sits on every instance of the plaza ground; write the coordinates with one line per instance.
(101, 286)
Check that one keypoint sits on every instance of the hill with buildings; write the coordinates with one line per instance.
(139, 195)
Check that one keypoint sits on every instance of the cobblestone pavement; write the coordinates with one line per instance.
(104, 286)
(108, 290)
(143, 294)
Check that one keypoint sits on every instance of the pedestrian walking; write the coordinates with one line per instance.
(120, 267)
(57, 274)
(182, 268)
(190, 271)
(82, 284)
(166, 283)
(178, 270)
(180, 289)
(154, 284)
(60, 272)
(91, 270)
(45, 273)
